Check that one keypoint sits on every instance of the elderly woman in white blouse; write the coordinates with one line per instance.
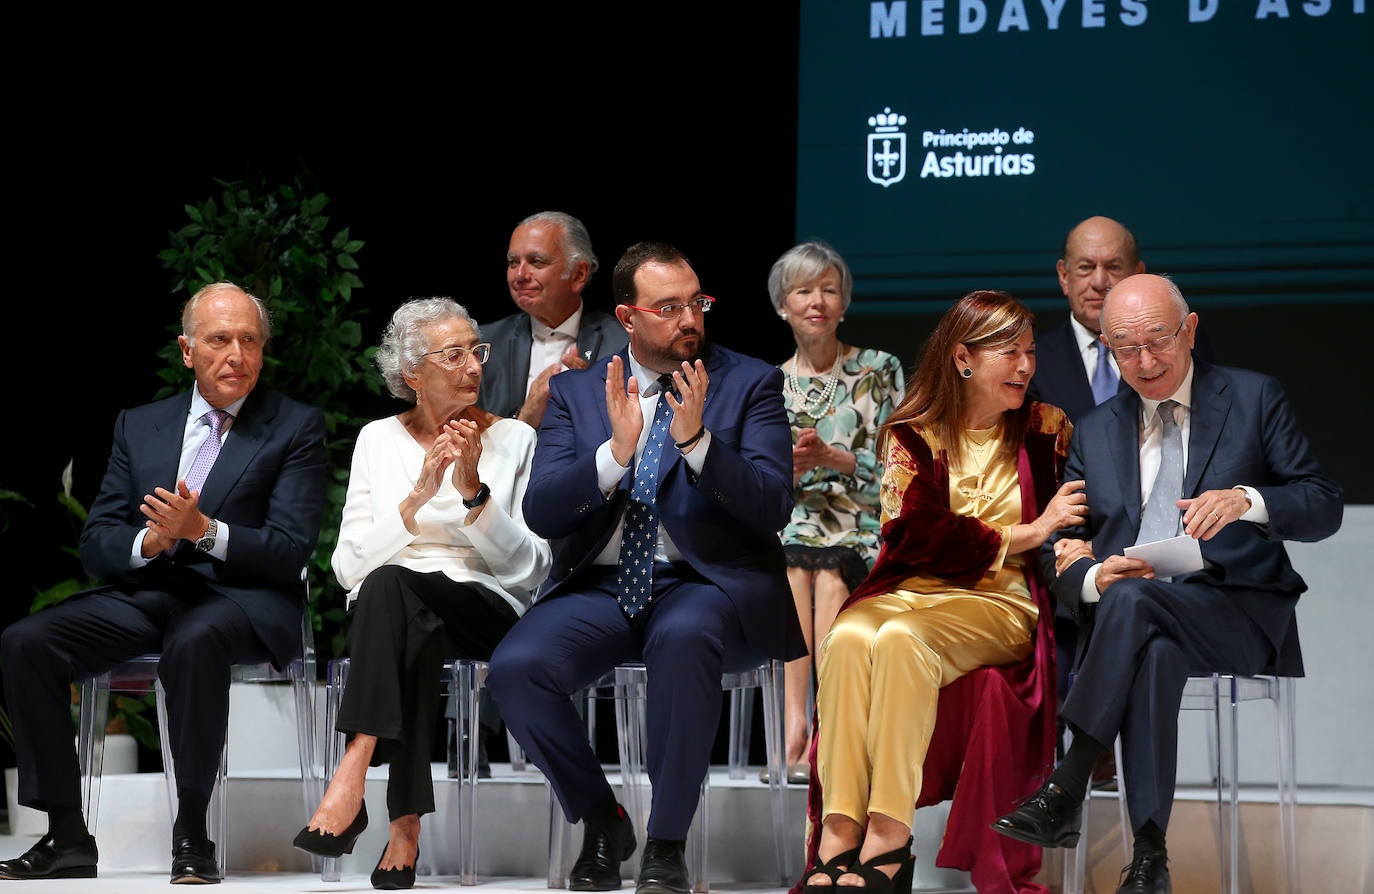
(438, 563)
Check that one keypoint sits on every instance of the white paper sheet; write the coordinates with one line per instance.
(1170, 558)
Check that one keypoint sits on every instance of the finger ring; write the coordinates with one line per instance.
(1213, 515)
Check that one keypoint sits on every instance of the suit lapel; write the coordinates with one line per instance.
(518, 362)
(589, 341)
(1124, 441)
(244, 440)
(161, 466)
(1211, 404)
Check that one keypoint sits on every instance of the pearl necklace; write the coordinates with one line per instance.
(829, 384)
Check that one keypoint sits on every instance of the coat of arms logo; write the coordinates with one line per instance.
(886, 161)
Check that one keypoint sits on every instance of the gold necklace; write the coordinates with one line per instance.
(981, 498)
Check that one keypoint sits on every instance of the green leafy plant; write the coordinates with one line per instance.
(277, 242)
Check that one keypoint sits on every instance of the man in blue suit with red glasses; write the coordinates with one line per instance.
(663, 476)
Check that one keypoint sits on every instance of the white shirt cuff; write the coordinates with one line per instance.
(608, 471)
(697, 458)
(1089, 592)
(1258, 513)
(136, 560)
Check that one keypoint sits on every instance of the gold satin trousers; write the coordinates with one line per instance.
(881, 668)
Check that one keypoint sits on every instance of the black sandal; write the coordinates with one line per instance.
(877, 881)
(832, 869)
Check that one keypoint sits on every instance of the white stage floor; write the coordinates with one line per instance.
(129, 881)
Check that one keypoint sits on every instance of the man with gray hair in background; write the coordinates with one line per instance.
(549, 263)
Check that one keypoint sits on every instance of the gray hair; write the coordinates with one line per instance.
(404, 343)
(188, 310)
(1176, 294)
(577, 242)
(806, 263)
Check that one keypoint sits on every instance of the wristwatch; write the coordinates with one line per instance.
(478, 498)
(207, 540)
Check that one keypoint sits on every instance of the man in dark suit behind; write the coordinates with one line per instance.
(549, 263)
(1192, 448)
(664, 512)
(209, 508)
(1072, 371)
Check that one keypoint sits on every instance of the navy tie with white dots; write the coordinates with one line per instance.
(640, 535)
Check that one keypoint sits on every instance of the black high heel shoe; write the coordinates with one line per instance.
(327, 844)
(833, 868)
(877, 882)
(394, 879)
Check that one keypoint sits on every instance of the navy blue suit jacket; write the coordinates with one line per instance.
(267, 484)
(725, 521)
(1243, 431)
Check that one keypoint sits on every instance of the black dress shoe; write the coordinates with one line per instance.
(604, 847)
(47, 860)
(193, 862)
(327, 844)
(663, 868)
(1147, 874)
(1048, 818)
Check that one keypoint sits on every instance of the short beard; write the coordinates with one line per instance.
(670, 360)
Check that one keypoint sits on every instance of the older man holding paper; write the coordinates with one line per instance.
(1207, 452)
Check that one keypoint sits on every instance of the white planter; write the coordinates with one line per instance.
(121, 754)
(23, 820)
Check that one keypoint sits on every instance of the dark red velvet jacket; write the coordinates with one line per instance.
(994, 727)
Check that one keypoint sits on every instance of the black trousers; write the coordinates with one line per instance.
(1146, 639)
(687, 637)
(199, 635)
(404, 624)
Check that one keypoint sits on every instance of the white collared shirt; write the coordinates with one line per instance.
(1152, 448)
(193, 435)
(548, 345)
(609, 473)
(1088, 347)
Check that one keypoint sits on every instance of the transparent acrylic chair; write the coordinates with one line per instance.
(627, 684)
(1222, 694)
(462, 680)
(140, 675)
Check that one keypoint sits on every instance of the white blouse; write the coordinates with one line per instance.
(495, 549)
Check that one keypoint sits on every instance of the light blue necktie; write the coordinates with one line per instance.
(639, 538)
(1160, 517)
(1105, 378)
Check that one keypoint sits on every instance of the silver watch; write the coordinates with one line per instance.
(207, 540)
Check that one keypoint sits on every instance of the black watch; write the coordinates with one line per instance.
(478, 498)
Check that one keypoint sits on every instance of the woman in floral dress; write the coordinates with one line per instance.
(837, 396)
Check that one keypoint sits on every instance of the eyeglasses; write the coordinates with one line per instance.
(1162, 345)
(672, 311)
(457, 355)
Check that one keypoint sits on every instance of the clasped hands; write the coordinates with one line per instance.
(627, 419)
(537, 400)
(1203, 517)
(459, 444)
(171, 517)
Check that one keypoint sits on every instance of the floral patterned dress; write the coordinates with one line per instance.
(835, 519)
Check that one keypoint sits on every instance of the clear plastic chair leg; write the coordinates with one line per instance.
(95, 711)
(334, 745)
(784, 838)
